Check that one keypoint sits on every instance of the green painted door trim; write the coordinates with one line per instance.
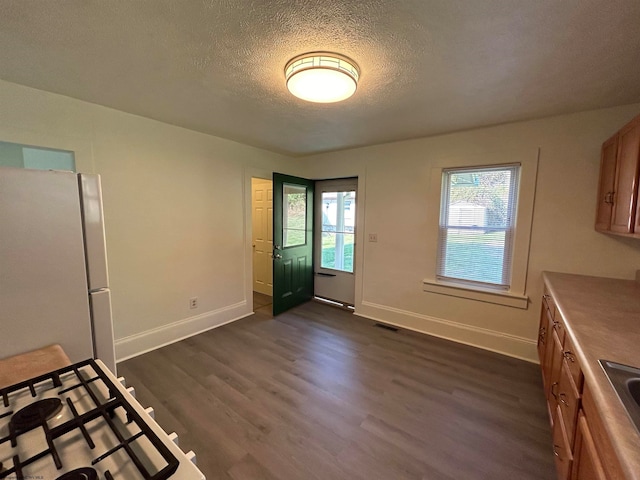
(292, 266)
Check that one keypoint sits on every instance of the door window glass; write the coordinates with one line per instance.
(294, 215)
(338, 230)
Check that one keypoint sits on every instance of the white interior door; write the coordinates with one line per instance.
(335, 233)
(262, 237)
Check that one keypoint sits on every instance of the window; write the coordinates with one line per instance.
(477, 225)
(23, 156)
(338, 230)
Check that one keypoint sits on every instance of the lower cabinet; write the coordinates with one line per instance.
(577, 455)
(561, 446)
(586, 463)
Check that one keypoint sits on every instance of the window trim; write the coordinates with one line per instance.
(515, 296)
(509, 230)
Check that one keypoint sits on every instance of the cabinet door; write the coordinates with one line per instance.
(555, 345)
(545, 345)
(626, 184)
(568, 400)
(542, 337)
(561, 447)
(572, 363)
(606, 184)
(586, 462)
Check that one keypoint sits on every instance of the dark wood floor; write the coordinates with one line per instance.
(318, 393)
(262, 303)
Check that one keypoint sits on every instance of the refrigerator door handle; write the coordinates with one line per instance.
(94, 235)
(100, 302)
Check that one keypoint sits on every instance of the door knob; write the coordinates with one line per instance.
(276, 255)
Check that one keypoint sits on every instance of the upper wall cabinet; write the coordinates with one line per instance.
(618, 209)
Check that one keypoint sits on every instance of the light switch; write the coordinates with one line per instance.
(373, 237)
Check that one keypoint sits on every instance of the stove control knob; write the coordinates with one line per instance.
(151, 412)
(174, 438)
(132, 391)
(191, 456)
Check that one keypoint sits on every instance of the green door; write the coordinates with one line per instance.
(292, 242)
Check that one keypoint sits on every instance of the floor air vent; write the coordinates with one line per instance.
(386, 327)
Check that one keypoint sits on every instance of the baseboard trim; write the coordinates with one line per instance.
(494, 341)
(143, 342)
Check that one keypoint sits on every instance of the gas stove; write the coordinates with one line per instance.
(80, 422)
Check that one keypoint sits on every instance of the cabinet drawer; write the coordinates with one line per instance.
(561, 447)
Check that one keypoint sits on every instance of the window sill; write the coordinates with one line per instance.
(505, 298)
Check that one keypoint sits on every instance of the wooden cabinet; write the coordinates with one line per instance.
(561, 391)
(568, 400)
(618, 209)
(586, 463)
(554, 372)
(545, 341)
(561, 446)
(579, 455)
(606, 184)
(603, 453)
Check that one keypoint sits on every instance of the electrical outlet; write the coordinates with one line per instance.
(373, 237)
(193, 302)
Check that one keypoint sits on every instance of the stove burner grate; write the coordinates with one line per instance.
(35, 414)
(85, 374)
(86, 473)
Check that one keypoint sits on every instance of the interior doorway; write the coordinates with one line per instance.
(262, 243)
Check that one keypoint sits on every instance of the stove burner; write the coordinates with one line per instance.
(34, 415)
(36, 442)
(86, 473)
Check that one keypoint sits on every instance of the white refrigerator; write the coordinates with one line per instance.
(54, 284)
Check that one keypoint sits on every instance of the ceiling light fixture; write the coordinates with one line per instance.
(322, 77)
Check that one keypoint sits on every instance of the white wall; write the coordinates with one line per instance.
(389, 278)
(174, 210)
(177, 203)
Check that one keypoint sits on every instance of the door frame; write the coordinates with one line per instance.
(360, 175)
(334, 184)
(249, 173)
(347, 172)
(256, 286)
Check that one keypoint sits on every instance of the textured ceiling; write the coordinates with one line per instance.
(428, 66)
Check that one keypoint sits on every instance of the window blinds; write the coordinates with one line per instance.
(477, 225)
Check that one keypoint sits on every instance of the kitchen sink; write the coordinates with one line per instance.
(626, 382)
(634, 389)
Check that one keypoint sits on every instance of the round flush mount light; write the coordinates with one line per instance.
(322, 77)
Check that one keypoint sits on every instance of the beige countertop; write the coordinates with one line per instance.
(602, 316)
(19, 368)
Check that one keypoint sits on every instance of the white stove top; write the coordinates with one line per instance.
(127, 443)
